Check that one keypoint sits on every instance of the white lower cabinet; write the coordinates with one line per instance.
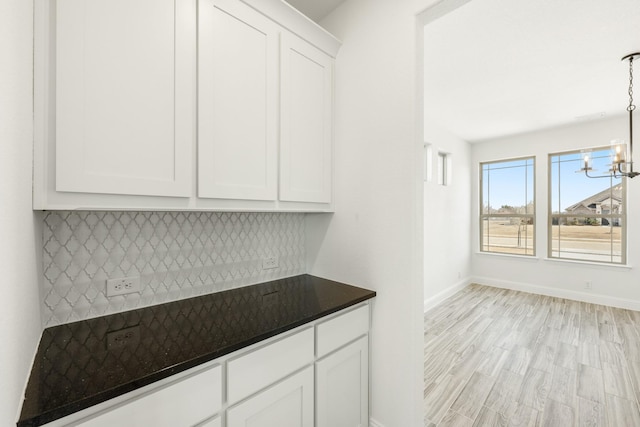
(342, 387)
(255, 370)
(183, 403)
(340, 330)
(289, 403)
(216, 422)
(316, 375)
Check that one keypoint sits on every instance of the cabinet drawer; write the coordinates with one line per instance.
(183, 403)
(342, 329)
(264, 366)
(288, 403)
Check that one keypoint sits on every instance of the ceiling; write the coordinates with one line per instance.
(315, 9)
(499, 67)
(495, 68)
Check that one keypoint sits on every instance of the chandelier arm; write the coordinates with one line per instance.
(598, 176)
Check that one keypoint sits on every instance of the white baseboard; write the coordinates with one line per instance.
(560, 293)
(430, 303)
(374, 423)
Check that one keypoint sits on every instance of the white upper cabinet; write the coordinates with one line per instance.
(124, 96)
(237, 102)
(181, 105)
(306, 118)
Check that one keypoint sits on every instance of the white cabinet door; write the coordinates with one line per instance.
(237, 102)
(289, 403)
(342, 387)
(216, 422)
(125, 96)
(183, 403)
(257, 369)
(306, 117)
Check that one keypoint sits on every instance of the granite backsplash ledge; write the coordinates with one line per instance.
(177, 255)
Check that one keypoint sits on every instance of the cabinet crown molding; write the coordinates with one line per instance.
(295, 21)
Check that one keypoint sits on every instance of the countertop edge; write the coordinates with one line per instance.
(80, 405)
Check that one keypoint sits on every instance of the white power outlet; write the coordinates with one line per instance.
(269, 262)
(588, 284)
(123, 285)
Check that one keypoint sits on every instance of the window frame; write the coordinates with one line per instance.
(482, 215)
(428, 162)
(443, 168)
(550, 215)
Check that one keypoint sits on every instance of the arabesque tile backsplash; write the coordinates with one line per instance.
(176, 254)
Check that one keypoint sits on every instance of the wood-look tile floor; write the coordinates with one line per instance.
(495, 357)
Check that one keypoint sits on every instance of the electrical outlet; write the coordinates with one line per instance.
(588, 284)
(123, 338)
(123, 285)
(269, 262)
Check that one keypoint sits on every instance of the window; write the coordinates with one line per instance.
(443, 168)
(428, 161)
(507, 206)
(586, 216)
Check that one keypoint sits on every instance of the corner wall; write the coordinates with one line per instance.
(447, 220)
(612, 285)
(374, 239)
(19, 226)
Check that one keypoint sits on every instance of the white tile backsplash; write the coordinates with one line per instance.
(176, 254)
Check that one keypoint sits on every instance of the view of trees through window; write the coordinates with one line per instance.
(586, 218)
(507, 206)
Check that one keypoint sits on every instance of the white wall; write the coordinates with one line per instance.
(616, 286)
(19, 235)
(447, 219)
(374, 239)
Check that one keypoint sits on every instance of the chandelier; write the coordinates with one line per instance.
(621, 163)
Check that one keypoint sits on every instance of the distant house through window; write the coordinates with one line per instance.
(507, 206)
(586, 215)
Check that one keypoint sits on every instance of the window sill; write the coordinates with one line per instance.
(530, 258)
(589, 263)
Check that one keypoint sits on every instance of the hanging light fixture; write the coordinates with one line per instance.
(621, 165)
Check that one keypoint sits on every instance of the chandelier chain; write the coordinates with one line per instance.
(631, 107)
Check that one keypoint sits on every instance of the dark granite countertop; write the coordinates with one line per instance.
(81, 364)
